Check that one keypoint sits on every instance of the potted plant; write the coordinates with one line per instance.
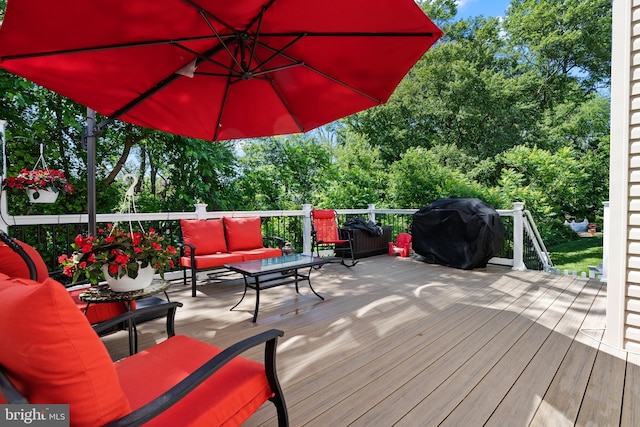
(118, 254)
(41, 185)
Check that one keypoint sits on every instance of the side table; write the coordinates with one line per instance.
(103, 294)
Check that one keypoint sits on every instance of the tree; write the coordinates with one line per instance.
(359, 175)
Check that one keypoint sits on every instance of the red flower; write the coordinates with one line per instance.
(86, 248)
(113, 268)
(137, 237)
(171, 249)
(68, 270)
(156, 246)
(110, 239)
(122, 259)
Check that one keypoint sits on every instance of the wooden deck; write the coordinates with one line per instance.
(401, 342)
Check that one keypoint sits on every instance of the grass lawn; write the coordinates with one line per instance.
(577, 255)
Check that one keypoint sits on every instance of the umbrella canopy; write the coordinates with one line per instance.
(216, 69)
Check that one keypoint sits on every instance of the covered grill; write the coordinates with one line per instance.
(457, 232)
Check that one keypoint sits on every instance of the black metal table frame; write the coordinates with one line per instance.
(103, 294)
(280, 276)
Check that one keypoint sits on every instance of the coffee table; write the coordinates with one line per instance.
(271, 272)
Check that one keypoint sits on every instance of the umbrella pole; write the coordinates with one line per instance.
(91, 170)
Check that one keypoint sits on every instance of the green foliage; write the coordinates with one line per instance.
(360, 175)
(418, 179)
(577, 254)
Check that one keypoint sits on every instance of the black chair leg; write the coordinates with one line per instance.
(194, 275)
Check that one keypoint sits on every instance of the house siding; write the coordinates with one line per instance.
(631, 327)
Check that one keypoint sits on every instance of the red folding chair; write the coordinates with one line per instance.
(327, 235)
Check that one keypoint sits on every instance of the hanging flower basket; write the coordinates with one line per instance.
(38, 184)
(45, 195)
(115, 253)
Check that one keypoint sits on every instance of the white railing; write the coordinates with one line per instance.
(522, 222)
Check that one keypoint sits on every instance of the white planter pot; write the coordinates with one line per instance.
(126, 283)
(42, 196)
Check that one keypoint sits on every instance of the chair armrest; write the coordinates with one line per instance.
(8, 390)
(182, 245)
(177, 392)
(169, 307)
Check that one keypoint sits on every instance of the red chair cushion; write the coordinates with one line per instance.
(243, 233)
(228, 398)
(260, 253)
(13, 265)
(206, 235)
(52, 355)
(325, 226)
(212, 260)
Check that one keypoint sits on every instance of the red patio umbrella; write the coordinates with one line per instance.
(215, 69)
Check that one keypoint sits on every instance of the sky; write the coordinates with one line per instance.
(468, 8)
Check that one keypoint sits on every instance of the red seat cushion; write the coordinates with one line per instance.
(227, 398)
(206, 235)
(13, 265)
(326, 226)
(260, 253)
(52, 355)
(243, 233)
(211, 261)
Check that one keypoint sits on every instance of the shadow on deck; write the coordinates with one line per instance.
(401, 342)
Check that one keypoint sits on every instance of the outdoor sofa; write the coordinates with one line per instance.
(210, 244)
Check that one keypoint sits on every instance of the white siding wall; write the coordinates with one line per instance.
(623, 291)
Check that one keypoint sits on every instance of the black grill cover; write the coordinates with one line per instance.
(457, 232)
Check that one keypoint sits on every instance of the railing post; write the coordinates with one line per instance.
(518, 237)
(605, 242)
(3, 203)
(306, 229)
(372, 212)
(201, 210)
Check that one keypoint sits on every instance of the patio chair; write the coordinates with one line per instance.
(49, 354)
(21, 260)
(327, 235)
(402, 245)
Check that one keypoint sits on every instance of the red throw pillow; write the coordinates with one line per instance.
(52, 355)
(13, 265)
(243, 233)
(207, 235)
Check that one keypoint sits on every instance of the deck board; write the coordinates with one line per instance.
(400, 342)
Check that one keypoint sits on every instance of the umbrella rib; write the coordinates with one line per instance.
(259, 16)
(155, 88)
(223, 104)
(113, 47)
(253, 47)
(325, 75)
(202, 11)
(278, 52)
(208, 59)
(285, 103)
(213, 29)
(282, 99)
